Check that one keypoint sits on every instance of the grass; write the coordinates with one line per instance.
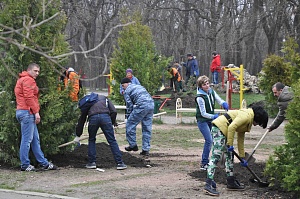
(249, 97)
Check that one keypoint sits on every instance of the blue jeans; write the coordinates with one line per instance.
(215, 76)
(30, 137)
(102, 121)
(139, 114)
(205, 128)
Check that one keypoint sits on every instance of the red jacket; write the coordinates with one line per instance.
(216, 64)
(26, 92)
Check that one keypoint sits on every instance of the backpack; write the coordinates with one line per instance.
(88, 101)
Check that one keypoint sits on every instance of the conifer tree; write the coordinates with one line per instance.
(136, 50)
(58, 113)
(283, 165)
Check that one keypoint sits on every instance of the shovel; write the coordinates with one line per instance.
(261, 183)
(82, 138)
(250, 157)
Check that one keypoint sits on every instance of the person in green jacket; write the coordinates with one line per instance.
(223, 131)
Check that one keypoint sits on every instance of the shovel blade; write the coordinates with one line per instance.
(250, 159)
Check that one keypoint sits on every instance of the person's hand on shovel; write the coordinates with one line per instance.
(230, 148)
(77, 140)
(244, 163)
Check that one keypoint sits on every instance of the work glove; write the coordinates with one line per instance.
(125, 121)
(230, 148)
(225, 106)
(77, 139)
(244, 163)
(215, 116)
(195, 73)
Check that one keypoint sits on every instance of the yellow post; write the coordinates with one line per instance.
(110, 80)
(240, 77)
(241, 85)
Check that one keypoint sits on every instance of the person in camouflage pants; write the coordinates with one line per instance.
(223, 130)
(219, 141)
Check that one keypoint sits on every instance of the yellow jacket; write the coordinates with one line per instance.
(242, 121)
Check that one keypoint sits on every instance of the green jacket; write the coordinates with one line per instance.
(209, 106)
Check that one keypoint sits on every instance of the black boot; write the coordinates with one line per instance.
(210, 188)
(233, 184)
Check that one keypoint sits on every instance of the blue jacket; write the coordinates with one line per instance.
(134, 80)
(192, 68)
(136, 96)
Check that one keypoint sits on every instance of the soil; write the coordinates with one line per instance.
(166, 173)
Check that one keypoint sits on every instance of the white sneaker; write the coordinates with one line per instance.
(91, 165)
(203, 167)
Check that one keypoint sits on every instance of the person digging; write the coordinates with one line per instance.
(223, 130)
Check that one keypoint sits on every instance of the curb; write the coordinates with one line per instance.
(29, 193)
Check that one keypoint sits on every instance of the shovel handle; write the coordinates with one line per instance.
(259, 142)
(71, 142)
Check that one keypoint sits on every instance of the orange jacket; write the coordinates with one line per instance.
(27, 92)
(175, 74)
(72, 79)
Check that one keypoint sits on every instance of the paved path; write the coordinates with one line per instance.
(11, 194)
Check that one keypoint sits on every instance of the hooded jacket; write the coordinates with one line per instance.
(26, 92)
(216, 64)
(205, 103)
(242, 121)
(283, 100)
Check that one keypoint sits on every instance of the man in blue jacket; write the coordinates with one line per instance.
(140, 107)
(192, 69)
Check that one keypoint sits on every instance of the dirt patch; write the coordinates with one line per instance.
(169, 172)
(188, 99)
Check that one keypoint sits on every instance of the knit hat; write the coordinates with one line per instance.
(189, 55)
(125, 80)
(129, 70)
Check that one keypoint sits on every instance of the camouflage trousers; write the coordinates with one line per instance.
(219, 146)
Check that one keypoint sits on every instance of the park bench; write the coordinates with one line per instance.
(180, 110)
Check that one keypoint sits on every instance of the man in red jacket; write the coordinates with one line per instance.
(215, 67)
(27, 114)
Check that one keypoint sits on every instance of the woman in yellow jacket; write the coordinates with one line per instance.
(223, 131)
(72, 80)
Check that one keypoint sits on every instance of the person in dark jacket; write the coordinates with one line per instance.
(285, 96)
(102, 115)
(192, 69)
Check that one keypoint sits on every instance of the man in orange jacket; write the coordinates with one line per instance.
(72, 80)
